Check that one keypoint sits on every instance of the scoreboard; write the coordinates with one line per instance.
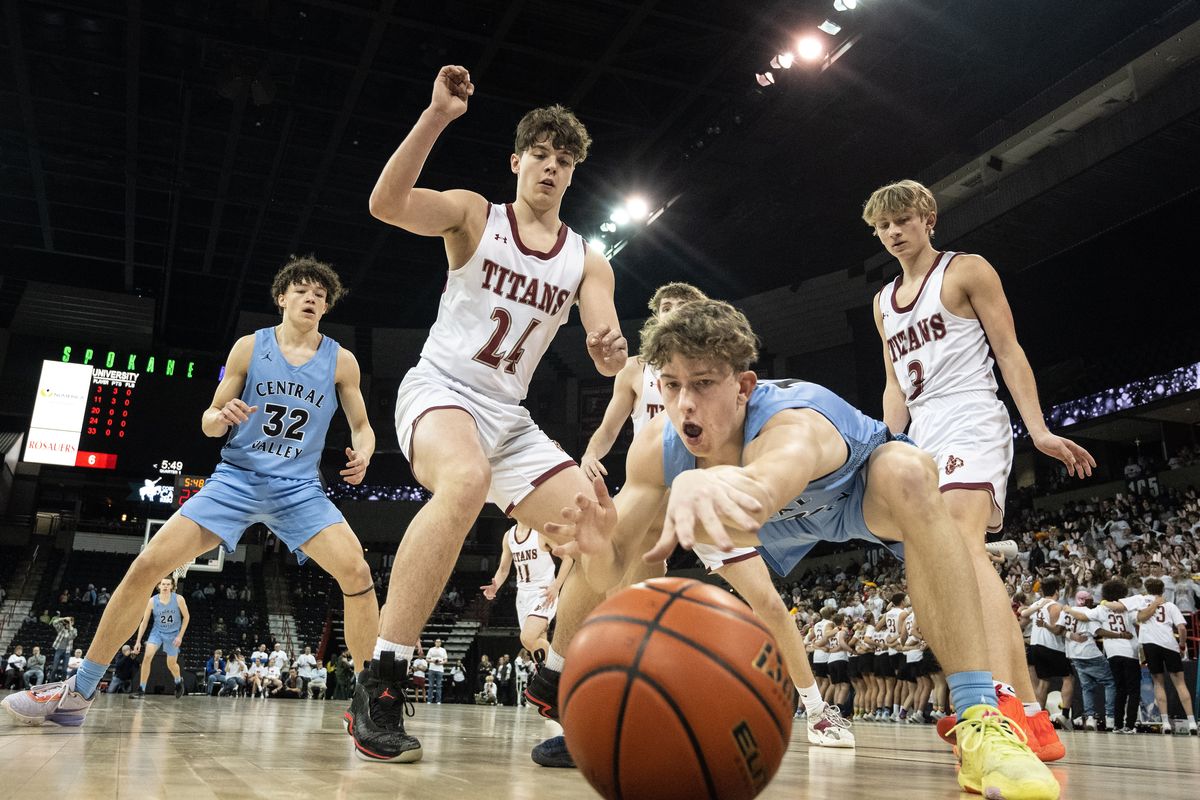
(124, 413)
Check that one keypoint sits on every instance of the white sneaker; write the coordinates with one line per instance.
(1110, 723)
(1089, 724)
(830, 729)
(916, 718)
(1166, 729)
(1063, 720)
(55, 702)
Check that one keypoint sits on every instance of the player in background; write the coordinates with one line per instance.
(537, 585)
(945, 323)
(280, 390)
(720, 469)
(1118, 631)
(167, 614)
(1088, 662)
(514, 271)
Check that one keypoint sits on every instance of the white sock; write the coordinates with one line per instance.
(402, 651)
(553, 660)
(811, 697)
(895, 709)
(1032, 708)
(1191, 719)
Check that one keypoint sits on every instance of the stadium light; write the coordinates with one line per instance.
(637, 208)
(810, 48)
(764, 78)
(845, 5)
(783, 61)
(830, 27)
(597, 244)
(620, 216)
(608, 227)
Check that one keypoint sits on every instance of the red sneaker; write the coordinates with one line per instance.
(1043, 739)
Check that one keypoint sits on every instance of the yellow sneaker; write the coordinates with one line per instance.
(996, 762)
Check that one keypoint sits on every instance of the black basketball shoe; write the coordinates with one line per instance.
(137, 694)
(179, 690)
(542, 691)
(376, 716)
(553, 753)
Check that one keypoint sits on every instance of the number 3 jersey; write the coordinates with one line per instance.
(500, 310)
(286, 434)
(934, 353)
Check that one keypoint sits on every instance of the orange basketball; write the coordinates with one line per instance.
(674, 689)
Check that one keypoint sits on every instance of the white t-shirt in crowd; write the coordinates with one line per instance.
(16, 661)
(306, 664)
(1116, 622)
(74, 662)
(258, 657)
(1082, 650)
(282, 659)
(437, 659)
(1160, 628)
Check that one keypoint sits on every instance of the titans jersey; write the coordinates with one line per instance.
(830, 508)
(934, 352)
(500, 310)
(285, 436)
(167, 618)
(534, 566)
(649, 403)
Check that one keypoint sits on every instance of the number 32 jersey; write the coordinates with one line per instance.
(500, 310)
(934, 352)
(286, 435)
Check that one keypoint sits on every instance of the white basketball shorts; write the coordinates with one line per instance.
(529, 604)
(970, 437)
(713, 557)
(521, 456)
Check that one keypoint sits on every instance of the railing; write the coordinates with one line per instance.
(19, 592)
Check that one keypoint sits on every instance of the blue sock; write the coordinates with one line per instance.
(178, 681)
(143, 686)
(88, 677)
(971, 689)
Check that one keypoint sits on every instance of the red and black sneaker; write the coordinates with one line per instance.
(542, 691)
(376, 715)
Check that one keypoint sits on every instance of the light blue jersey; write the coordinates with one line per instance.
(830, 508)
(285, 436)
(167, 618)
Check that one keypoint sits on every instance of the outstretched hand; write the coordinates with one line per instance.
(708, 498)
(451, 90)
(1078, 461)
(588, 526)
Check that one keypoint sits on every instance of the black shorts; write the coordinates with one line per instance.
(883, 665)
(855, 668)
(821, 669)
(1159, 658)
(1049, 663)
(1029, 654)
(897, 663)
(839, 671)
(866, 664)
(908, 671)
(930, 663)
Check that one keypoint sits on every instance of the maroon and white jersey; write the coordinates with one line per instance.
(532, 562)
(649, 403)
(1041, 634)
(934, 352)
(500, 310)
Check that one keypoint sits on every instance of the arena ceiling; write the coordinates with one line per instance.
(181, 150)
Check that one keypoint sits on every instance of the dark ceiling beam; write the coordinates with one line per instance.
(604, 62)
(133, 50)
(164, 300)
(231, 143)
(264, 205)
(766, 18)
(350, 98)
(479, 69)
(21, 75)
(368, 262)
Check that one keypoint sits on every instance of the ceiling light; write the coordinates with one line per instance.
(830, 27)
(845, 5)
(637, 207)
(783, 61)
(764, 78)
(810, 48)
(620, 216)
(598, 245)
(608, 227)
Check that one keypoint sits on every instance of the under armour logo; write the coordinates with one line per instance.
(953, 463)
(500, 238)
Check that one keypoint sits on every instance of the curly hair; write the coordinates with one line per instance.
(558, 124)
(307, 269)
(675, 291)
(709, 330)
(890, 200)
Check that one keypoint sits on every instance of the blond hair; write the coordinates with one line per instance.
(890, 200)
(558, 124)
(307, 269)
(708, 330)
(675, 291)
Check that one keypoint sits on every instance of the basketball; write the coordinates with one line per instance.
(674, 689)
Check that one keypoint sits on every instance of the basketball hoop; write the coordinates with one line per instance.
(181, 572)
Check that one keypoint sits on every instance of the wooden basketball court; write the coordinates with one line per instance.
(232, 748)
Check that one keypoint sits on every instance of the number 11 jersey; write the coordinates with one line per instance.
(285, 436)
(500, 310)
